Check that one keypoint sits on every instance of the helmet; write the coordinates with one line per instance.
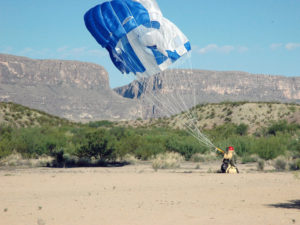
(230, 148)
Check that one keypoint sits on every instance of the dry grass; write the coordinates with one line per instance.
(130, 159)
(198, 157)
(170, 160)
(16, 160)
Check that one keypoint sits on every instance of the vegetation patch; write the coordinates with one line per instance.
(170, 160)
(35, 135)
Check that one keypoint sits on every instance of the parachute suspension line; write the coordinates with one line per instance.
(174, 102)
(189, 124)
(172, 108)
(190, 129)
(192, 117)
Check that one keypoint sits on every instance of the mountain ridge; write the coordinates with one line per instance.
(203, 86)
(80, 91)
(74, 90)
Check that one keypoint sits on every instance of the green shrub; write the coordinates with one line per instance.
(242, 129)
(6, 147)
(295, 165)
(269, 147)
(103, 123)
(198, 157)
(282, 126)
(97, 144)
(32, 142)
(249, 159)
(186, 147)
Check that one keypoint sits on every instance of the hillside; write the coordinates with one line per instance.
(208, 116)
(16, 115)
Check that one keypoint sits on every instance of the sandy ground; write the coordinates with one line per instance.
(137, 195)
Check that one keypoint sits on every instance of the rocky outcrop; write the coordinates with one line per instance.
(70, 89)
(80, 91)
(176, 90)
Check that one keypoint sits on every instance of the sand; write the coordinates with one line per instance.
(137, 195)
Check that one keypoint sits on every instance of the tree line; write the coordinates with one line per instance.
(105, 142)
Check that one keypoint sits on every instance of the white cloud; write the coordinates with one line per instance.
(242, 49)
(275, 46)
(292, 46)
(225, 49)
(208, 48)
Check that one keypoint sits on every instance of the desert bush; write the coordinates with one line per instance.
(102, 123)
(280, 164)
(198, 157)
(169, 160)
(36, 141)
(282, 126)
(242, 129)
(6, 147)
(97, 144)
(249, 159)
(269, 147)
(260, 165)
(295, 164)
(187, 146)
(148, 149)
(129, 158)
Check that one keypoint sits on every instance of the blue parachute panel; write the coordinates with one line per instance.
(159, 57)
(97, 32)
(188, 46)
(173, 55)
(124, 15)
(139, 12)
(131, 58)
(126, 28)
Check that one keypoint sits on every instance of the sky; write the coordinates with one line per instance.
(255, 36)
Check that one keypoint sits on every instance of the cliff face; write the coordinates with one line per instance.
(80, 91)
(175, 90)
(70, 89)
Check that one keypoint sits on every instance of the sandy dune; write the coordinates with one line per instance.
(137, 195)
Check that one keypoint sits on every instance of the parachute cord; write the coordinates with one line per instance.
(190, 125)
(191, 116)
(171, 110)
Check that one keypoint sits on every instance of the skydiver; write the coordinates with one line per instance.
(228, 165)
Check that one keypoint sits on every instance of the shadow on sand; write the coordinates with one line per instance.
(292, 204)
(84, 163)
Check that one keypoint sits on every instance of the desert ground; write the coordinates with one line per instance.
(139, 195)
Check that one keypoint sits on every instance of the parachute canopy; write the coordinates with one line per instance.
(136, 35)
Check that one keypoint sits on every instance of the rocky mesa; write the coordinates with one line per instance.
(175, 90)
(74, 90)
(80, 91)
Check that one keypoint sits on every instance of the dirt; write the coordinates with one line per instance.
(138, 195)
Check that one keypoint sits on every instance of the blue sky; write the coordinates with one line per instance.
(256, 36)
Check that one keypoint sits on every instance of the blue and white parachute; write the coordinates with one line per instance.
(137, 36)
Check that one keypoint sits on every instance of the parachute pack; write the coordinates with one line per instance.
(136, 35)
